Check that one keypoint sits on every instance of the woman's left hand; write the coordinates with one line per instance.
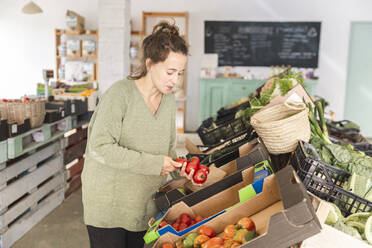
(189, 176)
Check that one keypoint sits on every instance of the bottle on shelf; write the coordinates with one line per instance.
(133, 50)
(61, 71)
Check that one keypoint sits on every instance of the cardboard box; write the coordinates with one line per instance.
(210, 208)
(74, 22)
(73, 48)
(169, 194)
(282, 212)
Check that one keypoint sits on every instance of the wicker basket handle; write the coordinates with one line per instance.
(295, 105)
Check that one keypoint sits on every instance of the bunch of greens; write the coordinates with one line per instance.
(346, 158)
(357, 225)
(281, 86)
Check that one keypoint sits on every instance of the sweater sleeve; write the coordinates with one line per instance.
(173, 139)
(105, 133)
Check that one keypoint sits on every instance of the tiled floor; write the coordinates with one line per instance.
(64, 227)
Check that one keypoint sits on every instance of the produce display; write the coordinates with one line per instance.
(344, 157)
(349, 187)
(200, 171)
(358, 225)
(183, 222)
(279, 86)
(233, 236)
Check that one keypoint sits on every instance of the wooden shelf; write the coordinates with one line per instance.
(182, 17)
(83, 36)
(64, 80)
(135, 33)
(77, 57)
(60, 32)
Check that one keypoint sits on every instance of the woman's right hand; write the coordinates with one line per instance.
(169, 166)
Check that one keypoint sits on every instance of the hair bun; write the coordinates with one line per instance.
(166, 27)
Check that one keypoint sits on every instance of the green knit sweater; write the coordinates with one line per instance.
(124, 158)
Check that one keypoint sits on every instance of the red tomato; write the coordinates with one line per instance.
(176, 226)
(178, 220)
(193, 222)
(167, 245)
(193, 164)
(200, 176)
(247, 224)
(207, 231)
(185, 218)
(198, 218)
(215, 242)
(182, 226)
(203, 167)
(163, 224)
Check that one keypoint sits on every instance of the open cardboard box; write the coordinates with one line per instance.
(329, 237)
(169, 194)
(210, 207)
(282, 212)
(255, 148)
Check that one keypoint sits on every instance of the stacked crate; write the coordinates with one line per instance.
(31, 178)
(73, 155)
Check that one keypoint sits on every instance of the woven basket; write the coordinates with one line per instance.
(18, 111)
(281, 126)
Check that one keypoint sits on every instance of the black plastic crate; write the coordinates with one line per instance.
(349, 135)
(53, 115)
(229, 142)
(348, 202)
(230, 156)
(218, 162)
(15, 129)
(332, 128)
(79, 107)
(309, 168)
(59, 105)
(3, 130)
(231, 111)
(223, 132)
(364, 147)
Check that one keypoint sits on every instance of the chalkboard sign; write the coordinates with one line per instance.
(263, 43)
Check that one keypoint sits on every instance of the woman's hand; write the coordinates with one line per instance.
(169, 166)
(189, 176)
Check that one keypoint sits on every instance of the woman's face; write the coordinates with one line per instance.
(165, 75)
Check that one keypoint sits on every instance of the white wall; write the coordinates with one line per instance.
(27, 41)
(334, 15)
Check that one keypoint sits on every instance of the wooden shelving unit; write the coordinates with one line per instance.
(88, 35)
(149, 19)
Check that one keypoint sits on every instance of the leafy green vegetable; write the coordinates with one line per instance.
(348, 230)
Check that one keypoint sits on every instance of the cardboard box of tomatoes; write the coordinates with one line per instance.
(179, 190)
(174, 222)
(282, 213)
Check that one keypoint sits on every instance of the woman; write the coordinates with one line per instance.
(130, 147)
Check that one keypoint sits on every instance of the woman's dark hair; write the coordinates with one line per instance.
(164, 38)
